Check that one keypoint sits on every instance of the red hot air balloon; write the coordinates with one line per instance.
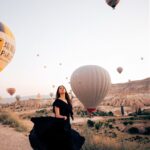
(119, 69)
(11, 91)
(112, 3)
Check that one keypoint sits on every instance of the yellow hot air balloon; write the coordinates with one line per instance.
(90, 84)
(7, 46)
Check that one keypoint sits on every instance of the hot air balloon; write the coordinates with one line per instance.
(119, 69)
(7, 46)
(60, 64)
(90, 84)
(11, 91)
(38, 96)
(112, 3)
(45, 66)
(142, 58)
(17, 98)
(51, 94)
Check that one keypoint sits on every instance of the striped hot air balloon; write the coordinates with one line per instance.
(7, 46)
(90, 84)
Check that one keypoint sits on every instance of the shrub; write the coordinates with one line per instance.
(98, 125)
(147, 130)
(125, 123)
(110, 113)
(90, 123)
(106, 124)
(111, 120)
(130, 122)
(133, 130)
(110, 126)
(11, 119)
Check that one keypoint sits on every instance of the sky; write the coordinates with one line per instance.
(67, 34)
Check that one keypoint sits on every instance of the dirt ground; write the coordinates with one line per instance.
(13, 140)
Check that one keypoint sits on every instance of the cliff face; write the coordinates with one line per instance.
(133, 93)
(131, 87)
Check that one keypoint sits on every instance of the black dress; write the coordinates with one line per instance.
(50, 133)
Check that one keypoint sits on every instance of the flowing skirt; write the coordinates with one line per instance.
(50, 133)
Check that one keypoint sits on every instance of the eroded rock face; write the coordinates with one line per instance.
(131, 87)
(132, 93)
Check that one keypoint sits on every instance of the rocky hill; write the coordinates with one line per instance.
(131, 87)
(133, 93)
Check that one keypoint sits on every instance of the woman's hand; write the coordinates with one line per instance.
(65, 117)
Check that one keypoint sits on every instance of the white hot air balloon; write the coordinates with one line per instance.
(90, 84)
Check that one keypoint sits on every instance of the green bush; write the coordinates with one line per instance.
(110, 126)
(125, 123)
(147, 130)
(90, 123)
(130, 122)
(110, 113)
(106, 124)
(133, 130)
(111, 120)
(98, 125)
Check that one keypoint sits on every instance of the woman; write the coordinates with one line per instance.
(55, 133)
(62, 107)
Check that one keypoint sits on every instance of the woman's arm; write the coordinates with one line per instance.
(57, 113)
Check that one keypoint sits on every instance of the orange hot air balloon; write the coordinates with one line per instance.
(112, 3)
(90, 84)
(11, 91)
(119, 69)
(7, 46)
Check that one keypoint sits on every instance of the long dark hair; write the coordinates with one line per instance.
(66, 95)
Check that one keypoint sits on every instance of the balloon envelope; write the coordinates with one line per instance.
(112, 3)
(119, 69)
(7, 46)
(90, 84)
(11, 91)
